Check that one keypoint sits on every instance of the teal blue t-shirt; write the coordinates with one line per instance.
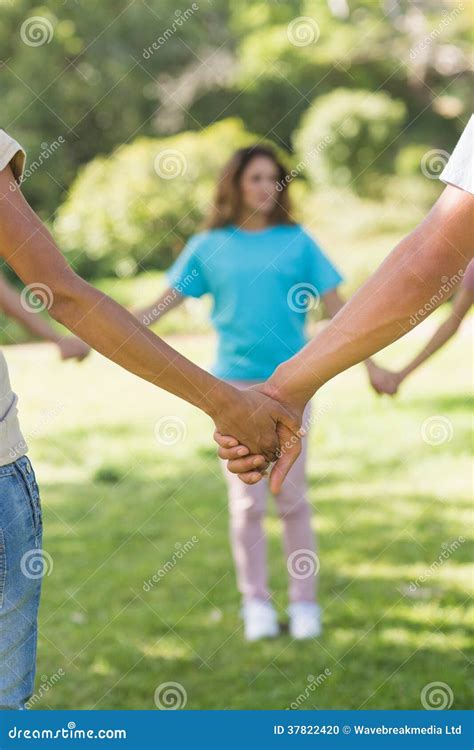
(261, 283)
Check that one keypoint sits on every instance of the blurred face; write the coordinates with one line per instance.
(258, 184)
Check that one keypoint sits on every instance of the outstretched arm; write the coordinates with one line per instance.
(384, 309)
(70, 347)
(386, 306)
(381, 380)
(463, 300)
(167, 301)
(29, 249)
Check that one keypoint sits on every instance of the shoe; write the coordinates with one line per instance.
(305, 620)
(260, 620)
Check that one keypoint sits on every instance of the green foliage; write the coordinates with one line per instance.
(346, 138)
(134, 210)
(94, 84)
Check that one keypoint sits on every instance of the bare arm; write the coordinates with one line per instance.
(14, 307)
(385, 307)
(29, 249)
(333, 302)
(167, 301)
(463, 300)
(412, 277)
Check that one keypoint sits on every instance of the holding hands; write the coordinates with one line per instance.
(279, 442)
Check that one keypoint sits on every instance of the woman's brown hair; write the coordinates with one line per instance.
(227, 199)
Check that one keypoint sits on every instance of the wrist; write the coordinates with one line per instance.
(220, 399)
(279, 387)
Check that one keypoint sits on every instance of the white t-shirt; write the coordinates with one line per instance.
(12, 443)
(459, 170)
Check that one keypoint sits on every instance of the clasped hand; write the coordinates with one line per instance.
(256, 430)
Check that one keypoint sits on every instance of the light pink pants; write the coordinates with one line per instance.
(247, 504)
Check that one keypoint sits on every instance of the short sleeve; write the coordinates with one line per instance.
(459, 170)
(188, 273)
(11, 153)
(322, 273)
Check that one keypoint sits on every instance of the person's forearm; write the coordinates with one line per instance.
(386, 306)
(333, 303)
(11, 304)
(111, 330)
(30, 250)
(441, 336)
(167, 301)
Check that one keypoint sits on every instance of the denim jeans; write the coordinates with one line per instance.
(21, 570)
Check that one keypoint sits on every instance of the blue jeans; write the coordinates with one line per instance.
(21, 570)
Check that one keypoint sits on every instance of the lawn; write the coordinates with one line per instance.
(391, 493)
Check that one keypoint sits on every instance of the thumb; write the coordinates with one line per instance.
(289, 421)
(290, 449)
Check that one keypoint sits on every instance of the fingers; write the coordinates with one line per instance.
(248, 464)
(293, 423)
(225, 441)
(230, 454)
(283, 466)
(289, 452)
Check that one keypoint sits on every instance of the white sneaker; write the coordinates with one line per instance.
(305, 620)
(260, 620)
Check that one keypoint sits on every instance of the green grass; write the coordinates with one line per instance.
(117, 505)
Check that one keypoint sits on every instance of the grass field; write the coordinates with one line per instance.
(391, 493)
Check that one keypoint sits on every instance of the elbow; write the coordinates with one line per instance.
(65, 296)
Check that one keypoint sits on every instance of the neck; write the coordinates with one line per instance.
(252, 221)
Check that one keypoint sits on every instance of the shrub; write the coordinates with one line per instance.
(346, 138)
(134, 210)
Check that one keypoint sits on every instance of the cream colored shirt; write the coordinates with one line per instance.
(459, 170)
(12, 443)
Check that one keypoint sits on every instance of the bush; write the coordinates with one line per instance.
(135, 209)
(345, 139)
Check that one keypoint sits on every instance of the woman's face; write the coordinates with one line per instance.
(258, 185)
